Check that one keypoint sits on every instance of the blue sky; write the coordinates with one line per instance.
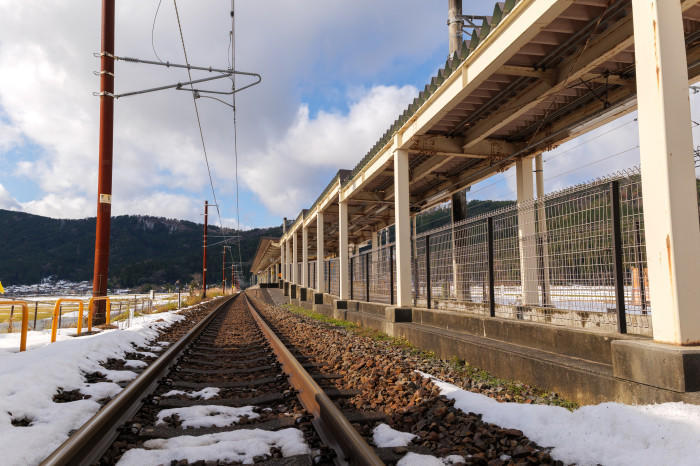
(335, 75)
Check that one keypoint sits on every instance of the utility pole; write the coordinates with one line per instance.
(104, 180)
(204, 251)
(454, 25)
(233, 283)
(223, 270)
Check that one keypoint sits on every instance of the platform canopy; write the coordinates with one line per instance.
(538, 73)
(267, 254)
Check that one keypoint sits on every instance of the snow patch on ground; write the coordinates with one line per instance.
(29, 380)
(101, 390)
(208, 415)
(238, 445)
(204, 394)
(147, 354)
(414, 459)
(608, 433)
(135, 364)
(385, 436)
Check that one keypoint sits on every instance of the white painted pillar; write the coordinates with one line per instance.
(344, 273)
(288, 256)
(319, 252)
(668, 174)
(283, 260)
(403, 229)
(295, 269)
(542, 229)
(527, 242)
(304, 257)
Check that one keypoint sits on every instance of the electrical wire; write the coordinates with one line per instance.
(232, 46)
(153, 28)
(196, 111)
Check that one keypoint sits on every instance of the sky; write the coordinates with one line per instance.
(335, 76)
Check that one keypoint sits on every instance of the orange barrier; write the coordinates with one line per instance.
(91, 310)
(25, 321)
(57, 310)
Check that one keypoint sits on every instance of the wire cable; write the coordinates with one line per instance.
(153, 29)
(196, 111)
(232, 45)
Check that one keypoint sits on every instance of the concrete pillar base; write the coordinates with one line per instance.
(671, 367)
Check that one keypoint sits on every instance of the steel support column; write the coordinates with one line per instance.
(668, 173)
(403, 229)
(319, 252)
(304, 257)
(343, 273)
(526, 232)
(295, 268)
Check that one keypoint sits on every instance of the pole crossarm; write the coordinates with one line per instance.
(227, 72)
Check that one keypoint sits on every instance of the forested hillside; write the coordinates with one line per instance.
(144, 250)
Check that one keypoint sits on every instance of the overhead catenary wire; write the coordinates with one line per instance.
(196, 111)
(153, 29)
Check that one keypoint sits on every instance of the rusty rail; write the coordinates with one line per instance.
(332, 426)
(88, 444)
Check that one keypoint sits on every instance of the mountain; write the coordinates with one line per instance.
(143, 250)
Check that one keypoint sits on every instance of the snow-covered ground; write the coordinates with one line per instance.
(29, 380)
(608, 433)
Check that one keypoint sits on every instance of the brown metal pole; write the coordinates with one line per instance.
(223, 271)
(204, 251)
(104, 181)
(232, 275)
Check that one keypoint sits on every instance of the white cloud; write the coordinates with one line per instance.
(46, 89)
(7, 201)
(313, 147)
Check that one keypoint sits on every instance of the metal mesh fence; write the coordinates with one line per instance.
(333, 276)
(359, 276)
(311, 277)
(549, 260)
(382, 274)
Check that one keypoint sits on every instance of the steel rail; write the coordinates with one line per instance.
(91, 441)
(332, 426)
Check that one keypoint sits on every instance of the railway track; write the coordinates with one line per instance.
(229, 391)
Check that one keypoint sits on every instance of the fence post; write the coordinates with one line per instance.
(352, 277)
(367, 258)
(617, 256)
(36, 310)
(489, 240)
(391, 274)
(9, 325)
(640, 263)
(428, 285)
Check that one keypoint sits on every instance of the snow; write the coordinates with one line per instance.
(118, 376)
(135, 364)
(101, 390)
(607, 433)
(414, 459)
(208, 415)
(146, 354)
(204, 394)
(238, 445)
(29, 380)
(385, 436)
